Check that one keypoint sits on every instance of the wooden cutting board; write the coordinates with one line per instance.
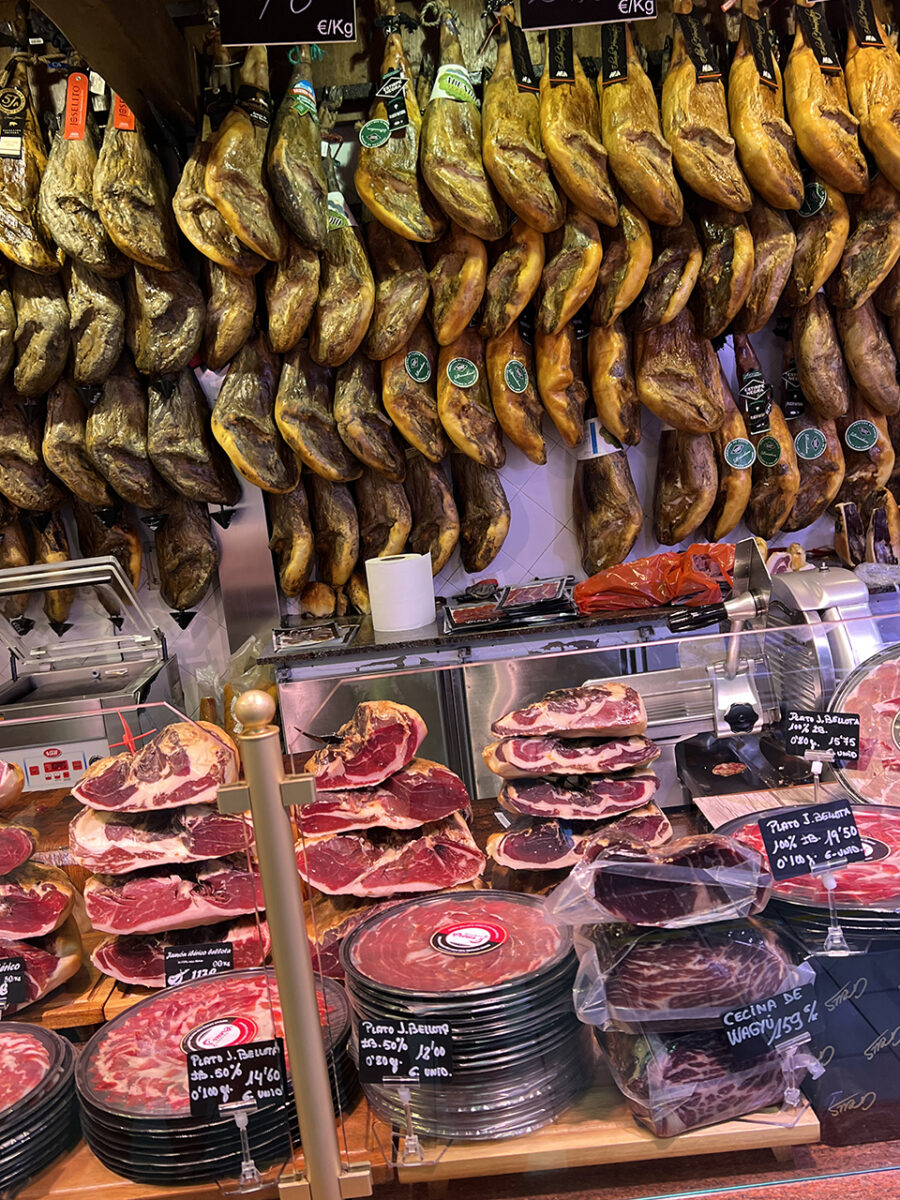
(720, 809)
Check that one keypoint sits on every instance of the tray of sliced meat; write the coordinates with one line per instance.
(873, 691)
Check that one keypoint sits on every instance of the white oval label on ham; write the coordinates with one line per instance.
(224, 1031)
(476, 938)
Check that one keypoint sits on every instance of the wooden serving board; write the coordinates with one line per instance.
(123, 996)
(79, 1002)
(718, 810)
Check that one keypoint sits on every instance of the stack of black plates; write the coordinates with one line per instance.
(494, 968)
(132, 1079)
(38, 1109)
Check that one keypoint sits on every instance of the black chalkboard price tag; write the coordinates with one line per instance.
(835, 731)
(783, 1020)
(404, 1052)
(799, 841)
(12, 981)
(185, 963)
(248, 1075)
(286, 22)
(563, 14)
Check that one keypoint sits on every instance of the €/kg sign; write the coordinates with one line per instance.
(286, 22)
(563, 14)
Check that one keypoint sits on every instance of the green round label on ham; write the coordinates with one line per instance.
(418, 367)
(814, 197)
(861, 435)
(516, 376)
(462, 372)
(768, 451)
(810, 444)
(374, 133)
(740, 453)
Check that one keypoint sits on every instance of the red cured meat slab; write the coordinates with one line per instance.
(34, 900)
(532, 844)
(139, 959)
(136, 1064)
(587, 799)
(24, 1062)
(49, 961)
(156, 900)
(117, 843)
(184, 764)
(535, 757)
(17, 844)
(873, 883)
(386, 863)
(421, 792)
(380, 739)
(876, 698)
(603, 709)
(415, 947)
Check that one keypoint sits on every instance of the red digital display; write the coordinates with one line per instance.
(51, 768)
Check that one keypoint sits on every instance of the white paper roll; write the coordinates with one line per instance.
(401, 591)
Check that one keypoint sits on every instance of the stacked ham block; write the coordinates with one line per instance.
(574, 771)
(385, 823)
(172, 870)
(36, 922)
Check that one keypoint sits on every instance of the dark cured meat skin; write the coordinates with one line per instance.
(63, 447)
(602, 710)
(697, 1071)
(140, 960)
(156, 900)
(24, 480)
(419, 793)
(385, 518)
(21, 237)
(97, 316)
(607, 509)
(292, 539)
(295, 172)
(230, 311)
(187, 554)
(363, 426)
(17, 844)
(292, 290)
(529, 757)
(484, 511)
(51, 545)
(435, 516)
(181, 446)
(578, 799)
(115, 535)
(401, 290)
(380, 739)
(184, 764)
(165, 318)
(640, 899)
(34, 900)
(437, 856)
(657, 977)
(336, 528)
(412, 406)
(42, 331)
(117, 843)
(538, 845)
(305, 417)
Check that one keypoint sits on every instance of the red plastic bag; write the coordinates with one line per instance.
(694, 576)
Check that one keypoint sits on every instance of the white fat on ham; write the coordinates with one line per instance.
(117, 843)
(380, 739)
(599, 710)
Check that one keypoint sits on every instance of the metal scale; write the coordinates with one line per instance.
(111, 655)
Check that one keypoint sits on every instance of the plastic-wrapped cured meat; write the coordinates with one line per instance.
(450, 149)
(574, 254)
(336, 528)
(131, 194)
(627, 255)
(409, 395)
(165, 318)
(385, 518)
(305, 417)
(230, 310)
(535, 757)
(42, 331)
(484, 512)
(570, 134)
(116, 439)
(511, 144)
(22, 238)
(292, 290)
(401, 290)
(640, 158)
(97, 322)
(675, 979)
(236, 171)
(292, 539)
(436, 526)
(362, 424)
(243, 420)
(464, 400)
(66, 205)
(187, 554)
(181, 445)
(516, 268)
(381, 738)
(561, 383)
(24, 480)
(457, 275)
(295, 171)
(608, 513)
(514, 397)
(387, 177)
(692, 881)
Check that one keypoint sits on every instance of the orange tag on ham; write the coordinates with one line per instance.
(77, 92)
(123, 117)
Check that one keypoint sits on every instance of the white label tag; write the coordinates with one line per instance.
(453, 83)
(596, 443)
(339, 215)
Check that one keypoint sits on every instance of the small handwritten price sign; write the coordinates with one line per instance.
(820, 837)
(782, 1020)
(835, 731)
(404, 1052)
(286, 22)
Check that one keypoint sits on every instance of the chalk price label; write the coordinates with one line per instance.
(783, 1020)
(404, 1051)
(249, 1075)
(820, 837)
(836, 731)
